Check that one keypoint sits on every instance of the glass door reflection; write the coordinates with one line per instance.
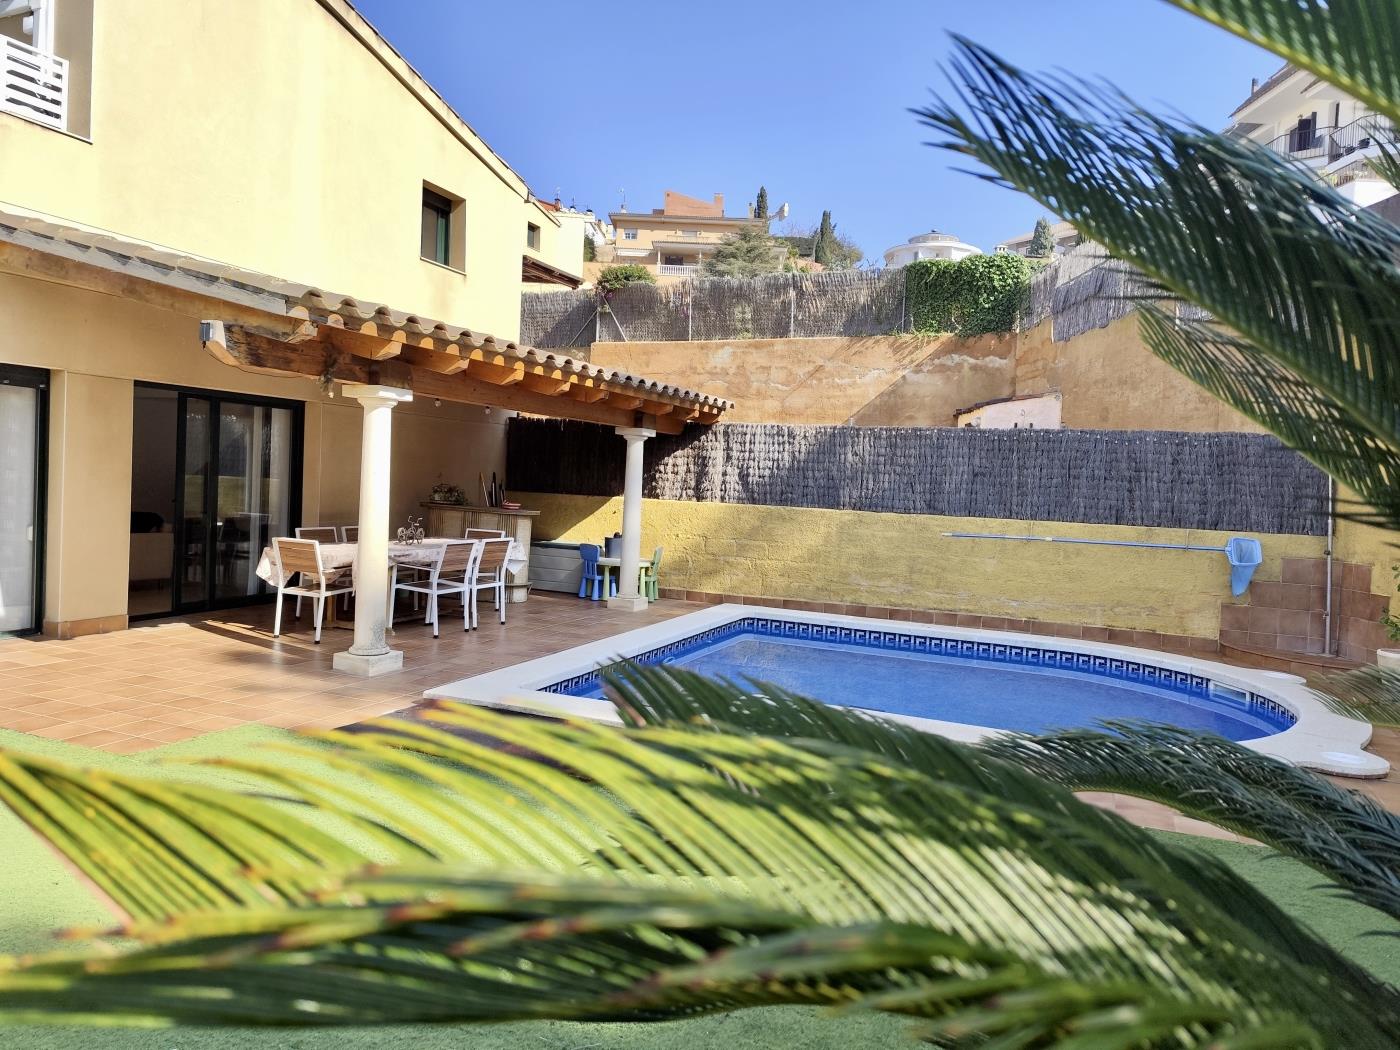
(195, 490)
(233, 484)
(254, 493)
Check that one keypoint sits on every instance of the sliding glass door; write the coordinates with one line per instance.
(233, 484)
(23, 438)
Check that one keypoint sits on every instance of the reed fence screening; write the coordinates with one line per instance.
(1231, 482)
(775, 306)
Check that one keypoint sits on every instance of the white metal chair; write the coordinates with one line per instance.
(490, 575)
(483, 534)
(349, 534)
(303, 558)
(319, 533)
(453, 565)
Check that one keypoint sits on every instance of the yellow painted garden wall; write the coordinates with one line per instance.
(903, 561)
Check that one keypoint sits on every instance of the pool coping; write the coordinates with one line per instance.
(1320, 739)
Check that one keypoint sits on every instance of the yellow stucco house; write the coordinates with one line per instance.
(214, 216)
(672, 241)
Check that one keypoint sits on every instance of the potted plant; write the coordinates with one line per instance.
(1390, 658)
(452, 494)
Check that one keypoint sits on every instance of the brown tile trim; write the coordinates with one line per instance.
(1277, 659)
(1120, 636)
(65, 629)
(1286, 616)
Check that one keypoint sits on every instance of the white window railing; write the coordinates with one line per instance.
(33, 83)
(673, 270)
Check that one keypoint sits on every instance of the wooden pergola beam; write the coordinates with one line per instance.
(256, 351)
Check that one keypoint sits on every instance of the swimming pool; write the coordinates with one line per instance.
(1012, 687)
(958, 682)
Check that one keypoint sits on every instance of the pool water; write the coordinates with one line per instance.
(968, 690)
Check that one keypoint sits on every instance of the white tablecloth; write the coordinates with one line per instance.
(342, 556)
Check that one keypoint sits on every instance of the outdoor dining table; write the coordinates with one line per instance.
(342, 556)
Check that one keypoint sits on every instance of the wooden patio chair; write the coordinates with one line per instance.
(302, 558)
(453, 566)
(490, 575)
(484, 534)
(321, 534)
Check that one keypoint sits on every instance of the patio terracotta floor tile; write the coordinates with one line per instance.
(95, 738)
(145, 727)
(55, 708)
(168, 734)
(129, 745)
(29, 723)
(108, 719)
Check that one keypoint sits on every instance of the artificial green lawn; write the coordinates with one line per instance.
(38, 895)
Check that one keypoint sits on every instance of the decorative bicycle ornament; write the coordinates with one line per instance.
(412, 532)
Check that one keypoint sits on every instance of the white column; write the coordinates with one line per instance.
(629, 596)
(370, 654)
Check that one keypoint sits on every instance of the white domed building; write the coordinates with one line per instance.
(931, 245)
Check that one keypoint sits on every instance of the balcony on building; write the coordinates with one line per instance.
(34, 81)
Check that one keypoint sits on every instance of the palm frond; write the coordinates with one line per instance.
(1345, 835)
(665, 871)
(1354, 44)
(1369, 693)
(1274, 396)
(1302, 276)
(1342, 834)
(158, 847)
(1386, 162)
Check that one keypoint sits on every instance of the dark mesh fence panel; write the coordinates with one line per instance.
(1229, 482)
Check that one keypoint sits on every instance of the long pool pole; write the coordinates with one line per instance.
(1068, 539)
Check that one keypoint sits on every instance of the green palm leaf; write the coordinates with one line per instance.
(665, 871)
(1343, 834)
(1304, 280)
(1369, 693)
(1354, 44)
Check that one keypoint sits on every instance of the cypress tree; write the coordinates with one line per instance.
(760, 209)
(823, 248)
(1042, 244)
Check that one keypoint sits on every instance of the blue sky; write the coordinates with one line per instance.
(808, 98)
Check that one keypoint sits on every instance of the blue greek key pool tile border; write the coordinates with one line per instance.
(964, 648)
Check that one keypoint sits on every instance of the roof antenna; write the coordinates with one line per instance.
(623, 191)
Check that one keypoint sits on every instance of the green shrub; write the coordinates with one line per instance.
(614, 277)
(981, 293)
